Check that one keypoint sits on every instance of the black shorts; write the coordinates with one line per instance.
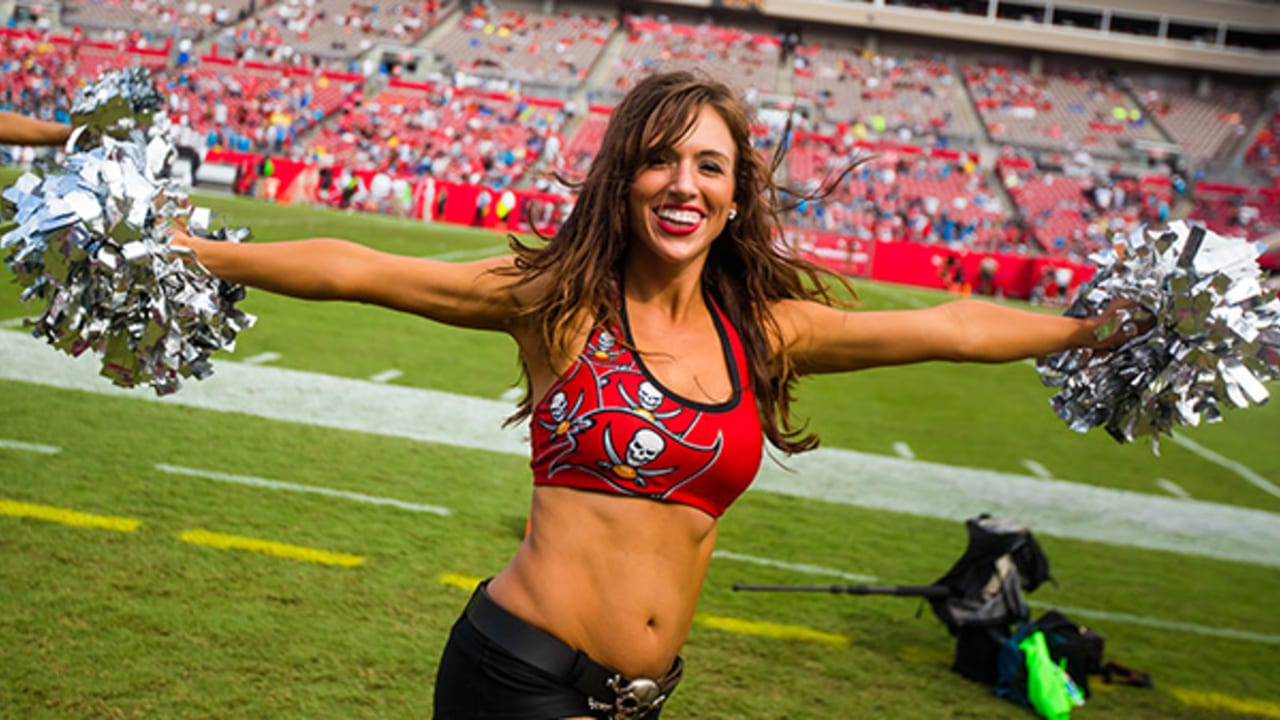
(479, 679)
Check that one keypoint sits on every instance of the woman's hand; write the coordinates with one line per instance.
(1119, 322)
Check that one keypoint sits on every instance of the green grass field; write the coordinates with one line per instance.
(155, 622)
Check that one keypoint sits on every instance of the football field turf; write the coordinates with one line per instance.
(294, 537)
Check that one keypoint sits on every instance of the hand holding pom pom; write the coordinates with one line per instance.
(91, 240)
(1186, 325)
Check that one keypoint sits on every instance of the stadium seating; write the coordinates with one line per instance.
(457, 136)
(523, 45)
(1057, 111)
(336, 29)
(1264, 154)
(909, 97)
(744, 59)
(155, 17)
(1238, 210)
(1074, 215)
(900, 194)
(262, 89)
(585, 143)
(1206, 128)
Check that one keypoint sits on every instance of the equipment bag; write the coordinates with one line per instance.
(1049, 688)
(1074, 649)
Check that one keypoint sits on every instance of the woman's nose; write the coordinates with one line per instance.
(684, 178)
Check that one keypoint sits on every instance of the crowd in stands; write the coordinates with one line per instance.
(655, 43)
(1205, 127)
(897, 194)
(1053, 111)
(1244, 211)
(916, 99)
(312, 31)
(449, 134)
(1264, 154)
(156, 17)
(523, 45)
(247, 109)
(270, 93)
(1076, 214)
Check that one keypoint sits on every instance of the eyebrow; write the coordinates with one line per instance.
(716, 154)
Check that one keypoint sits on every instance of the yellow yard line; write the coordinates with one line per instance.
(68, 517)
(460, 581)
(268, 547)
(771, 630)
(1218, 701)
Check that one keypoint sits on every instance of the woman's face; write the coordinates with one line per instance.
(681, 196)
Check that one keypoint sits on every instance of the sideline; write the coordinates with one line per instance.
(1254, 478)
(295, 487)
(1052, 507)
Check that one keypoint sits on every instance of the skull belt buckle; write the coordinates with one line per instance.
(633, 699)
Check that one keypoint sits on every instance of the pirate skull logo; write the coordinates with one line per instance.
(645, 445)
(647, 401)
(562, 415)
(559, 406)
(649, 396)
(605, 347)
(642, 449)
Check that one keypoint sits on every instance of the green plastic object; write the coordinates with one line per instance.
(1049, 688)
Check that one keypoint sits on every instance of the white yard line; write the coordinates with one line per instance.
(386, 376)
(1037, 469)
(1052, 507)
(12, 323)
(1257, 480)
(903, 451)
(29, 447)
(1172, 488)
(295, 487)
(1162, 624)
(797, 567)
(262, 358)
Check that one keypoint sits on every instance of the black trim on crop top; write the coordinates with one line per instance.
(726, 353)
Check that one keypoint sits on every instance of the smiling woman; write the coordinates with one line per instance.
(661, 331)
(683, 195)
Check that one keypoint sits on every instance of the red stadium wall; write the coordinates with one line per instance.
(920, 264)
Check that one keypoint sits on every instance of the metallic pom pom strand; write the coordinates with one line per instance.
(1213, 337)
(91, 238)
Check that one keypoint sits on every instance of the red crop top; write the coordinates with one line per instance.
(609, 426)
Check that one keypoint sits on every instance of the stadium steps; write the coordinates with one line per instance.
(600, 70)
(448, 24)
(982, 141)
(1234, 162)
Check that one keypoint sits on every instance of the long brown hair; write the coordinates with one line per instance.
(745, 270)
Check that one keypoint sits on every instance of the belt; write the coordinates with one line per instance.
(606, 689)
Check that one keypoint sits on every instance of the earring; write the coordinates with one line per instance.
(733, 213)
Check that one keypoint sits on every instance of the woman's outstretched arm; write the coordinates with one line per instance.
(462, 294)
(18, 129)
(824, 339)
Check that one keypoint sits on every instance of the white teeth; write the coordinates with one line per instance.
(684, 217)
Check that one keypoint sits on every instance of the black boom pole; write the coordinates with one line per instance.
(925, 591)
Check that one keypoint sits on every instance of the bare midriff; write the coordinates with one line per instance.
(615, 577)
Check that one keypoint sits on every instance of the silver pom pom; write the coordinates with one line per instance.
(92, 242)
(120, 104)
(1213, 337)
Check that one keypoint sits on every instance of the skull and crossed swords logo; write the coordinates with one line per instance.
(562, 416)
(647, 401)
(644, 447)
